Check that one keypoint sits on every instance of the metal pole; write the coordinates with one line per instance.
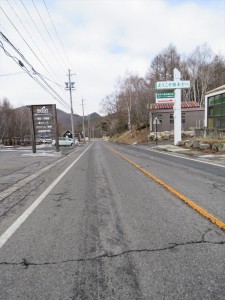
(83, 119)
(54, 112)
(177, 109)
(71, 106)
(89, 128)
(150, 121)
(33, 130)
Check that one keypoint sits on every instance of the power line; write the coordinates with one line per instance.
(10, 74)
(41, 81)
(57, 33)
(52, 52)
(33, 41)
(48, 89)
(24, 39)
(47, 32)
(53, 81)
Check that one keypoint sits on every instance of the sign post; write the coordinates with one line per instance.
(177, 109)
(44, 122)
(175, 85)
(156, 122)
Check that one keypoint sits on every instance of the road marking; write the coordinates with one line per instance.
(189, 202)
(9, 232)
(26, 180)
(188, 158)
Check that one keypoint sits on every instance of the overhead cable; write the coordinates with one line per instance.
(53, 82)
(48, 33)
(10, 74)
(48, 89)
(52, 52)
(57, 33)
(34, 43)
(24, 39)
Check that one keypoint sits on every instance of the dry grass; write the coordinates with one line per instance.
(141, 136)
(135, 136)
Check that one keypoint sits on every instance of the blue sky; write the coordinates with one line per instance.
(102, 41)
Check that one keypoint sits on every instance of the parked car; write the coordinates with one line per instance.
(46, 141)
(63, 141)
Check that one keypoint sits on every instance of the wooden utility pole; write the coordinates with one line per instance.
(89, 128)
(83, 119)
(70, 87)
(33, 137)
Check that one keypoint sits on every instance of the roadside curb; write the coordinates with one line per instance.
(171, 148)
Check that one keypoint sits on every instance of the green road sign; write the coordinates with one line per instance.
(163, 95)
(171, 85)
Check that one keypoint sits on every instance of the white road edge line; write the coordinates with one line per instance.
(26, 180)
(12, 229)
(201, 161)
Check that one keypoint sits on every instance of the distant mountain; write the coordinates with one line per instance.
(64, 119)
(93, 116)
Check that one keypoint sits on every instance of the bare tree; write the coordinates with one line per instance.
(21, 126)
(112, 106)
(127, 105)
(218, 70)
(6, 118)
(162, 65)
(201, 71)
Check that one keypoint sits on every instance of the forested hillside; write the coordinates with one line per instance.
(126, 106)
(15, 122)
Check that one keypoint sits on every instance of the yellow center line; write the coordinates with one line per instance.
(189, 202)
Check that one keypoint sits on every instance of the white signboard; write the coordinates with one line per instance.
(171, 85)
(156, 121)
(166, 100)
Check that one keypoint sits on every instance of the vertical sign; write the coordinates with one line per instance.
(44, 123)
(177, 108)
(175, 85)
(156, 122)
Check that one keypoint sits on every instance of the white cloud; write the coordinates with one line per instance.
(103, 39)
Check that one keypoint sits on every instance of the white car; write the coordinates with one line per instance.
(63, 141)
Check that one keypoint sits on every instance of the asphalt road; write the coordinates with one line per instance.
(105, 230)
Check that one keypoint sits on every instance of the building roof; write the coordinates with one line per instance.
(218, 89)
(186, 104)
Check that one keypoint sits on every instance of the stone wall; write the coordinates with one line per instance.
(189, 140)
(210, 133)
(199, 145)
(168, 135)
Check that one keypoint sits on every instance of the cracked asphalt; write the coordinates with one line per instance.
(107, 231)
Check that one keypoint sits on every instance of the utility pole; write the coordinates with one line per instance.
(89, 127)
(177, 108)
(70, 87)
(83, 119)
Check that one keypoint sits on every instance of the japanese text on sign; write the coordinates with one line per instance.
(162, 85)
(161, 95)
